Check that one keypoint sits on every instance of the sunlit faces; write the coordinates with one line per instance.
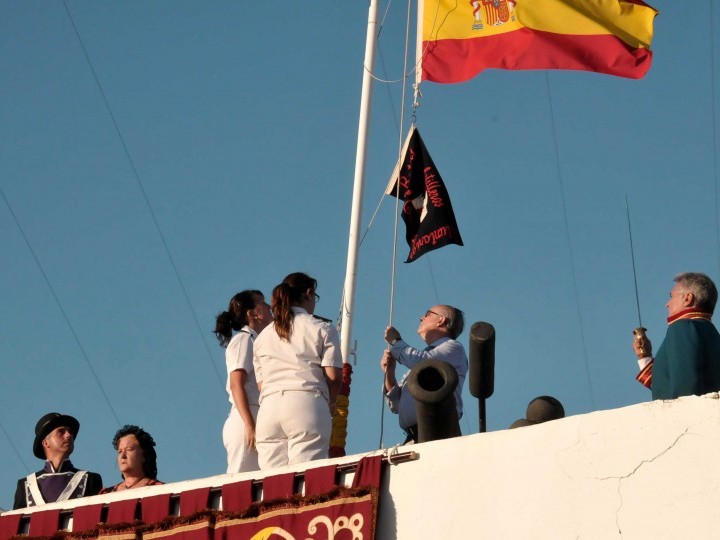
(262, 311)
(434, 318)
(680, 299)
(130, 456)
(60, 441)
(312, 299)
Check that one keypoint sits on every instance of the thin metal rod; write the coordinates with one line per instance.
(482, 415)
(632, 256)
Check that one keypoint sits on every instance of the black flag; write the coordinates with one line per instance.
(427, 212)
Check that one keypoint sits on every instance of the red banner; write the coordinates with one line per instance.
(325, 512)
(342, 514)
(345, 517)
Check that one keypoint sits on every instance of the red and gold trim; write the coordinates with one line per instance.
(690, 313)
(645, 375)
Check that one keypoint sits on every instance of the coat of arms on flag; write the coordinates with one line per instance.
(427, 211)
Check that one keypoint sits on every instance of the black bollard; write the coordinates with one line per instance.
(543, 409)
(481, 373)
(432, 383)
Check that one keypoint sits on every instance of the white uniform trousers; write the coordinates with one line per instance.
(293, 426)
(240, 458)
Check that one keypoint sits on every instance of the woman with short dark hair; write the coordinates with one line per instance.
(136, 459)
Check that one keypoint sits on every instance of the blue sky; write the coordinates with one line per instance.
(240, 120)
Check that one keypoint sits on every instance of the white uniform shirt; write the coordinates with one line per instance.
(297, 364)
(449, 350)
(239, 355)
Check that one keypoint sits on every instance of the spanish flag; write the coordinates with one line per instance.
(457, 39)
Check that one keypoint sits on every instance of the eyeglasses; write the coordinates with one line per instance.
(316, 296)
(428, 312)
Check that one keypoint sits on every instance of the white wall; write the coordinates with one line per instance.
(646, 471)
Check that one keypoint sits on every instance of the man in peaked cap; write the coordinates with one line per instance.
(58, 481)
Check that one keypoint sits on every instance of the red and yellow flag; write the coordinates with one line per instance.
(457, 39)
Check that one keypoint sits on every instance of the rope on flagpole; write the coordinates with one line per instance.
(416, 97)
(401, 131)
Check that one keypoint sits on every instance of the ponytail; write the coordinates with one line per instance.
(286, 295)
(236, 315)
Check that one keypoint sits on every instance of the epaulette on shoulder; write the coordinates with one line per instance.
(323, 319)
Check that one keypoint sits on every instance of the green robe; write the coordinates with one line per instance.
(688, 361)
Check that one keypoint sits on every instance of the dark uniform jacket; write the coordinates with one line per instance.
(53, 485)
(688, 361)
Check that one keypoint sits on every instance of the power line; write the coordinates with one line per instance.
(146, 199)
(716, 167)
(432, 278)
(12, 444)
(569, 243)
(60, 306)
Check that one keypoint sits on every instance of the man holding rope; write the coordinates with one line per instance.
(439, 329)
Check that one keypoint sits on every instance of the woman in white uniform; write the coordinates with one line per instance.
(298, 367)
(247, 315)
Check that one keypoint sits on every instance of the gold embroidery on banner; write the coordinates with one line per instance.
(175, 530)
(354, 524)
(267, 532)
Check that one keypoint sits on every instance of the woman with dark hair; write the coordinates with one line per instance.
(247, 315)
(298, 369)
(136, 459)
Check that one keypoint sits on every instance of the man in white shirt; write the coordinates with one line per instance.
(439, 329)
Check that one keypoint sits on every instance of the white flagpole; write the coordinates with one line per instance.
(357, 200)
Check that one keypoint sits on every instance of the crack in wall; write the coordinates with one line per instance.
(635, 470)
(593, 450)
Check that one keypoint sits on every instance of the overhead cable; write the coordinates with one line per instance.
(147, 201)
(60, 306)
(569, 243)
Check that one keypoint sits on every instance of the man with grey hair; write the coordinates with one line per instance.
(439, 329)
(688, 361)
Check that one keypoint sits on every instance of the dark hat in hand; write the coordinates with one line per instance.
(47, 424)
